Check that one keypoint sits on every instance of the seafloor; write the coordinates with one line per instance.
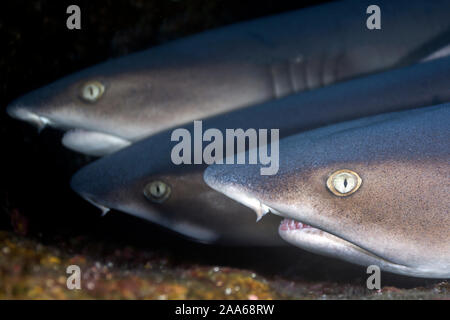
(32, 270)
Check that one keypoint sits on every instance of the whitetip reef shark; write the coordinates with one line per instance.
(369, 191)
(109, 106)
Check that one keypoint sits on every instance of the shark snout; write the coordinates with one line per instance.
(98, 187)
(21, 112)
(220, 179)
(104, 209)
(86, 188)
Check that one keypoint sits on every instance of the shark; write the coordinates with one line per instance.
(109, 106)
(373, 191)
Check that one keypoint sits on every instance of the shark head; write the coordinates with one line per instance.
(93, 106)
(141, 180)
(106, 107)
(370, 191)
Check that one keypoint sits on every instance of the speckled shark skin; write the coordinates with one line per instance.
(398, 219)
(199, 212)
(232, 67)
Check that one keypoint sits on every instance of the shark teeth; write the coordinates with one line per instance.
(104, 209)
(261, 211)
(289, 224)
(22, 113)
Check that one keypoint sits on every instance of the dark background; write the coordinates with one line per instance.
(36, 49)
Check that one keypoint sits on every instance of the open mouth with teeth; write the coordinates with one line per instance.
(93, 143)
(306, 236)
(23, 114)
(289, 225)
(318, 241)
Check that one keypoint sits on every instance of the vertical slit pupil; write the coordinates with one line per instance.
(345, 182)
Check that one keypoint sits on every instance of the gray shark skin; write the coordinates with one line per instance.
(194, 209)
(399, 217)
(232, 67)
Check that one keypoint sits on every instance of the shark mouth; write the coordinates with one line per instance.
(92, 143)
(321, 242)
(102, 208)
(299, 233)
(288, 224)
(21, 113)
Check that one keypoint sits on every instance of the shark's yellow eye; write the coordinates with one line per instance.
(344, 182)
(91, 91)
(157, 191)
